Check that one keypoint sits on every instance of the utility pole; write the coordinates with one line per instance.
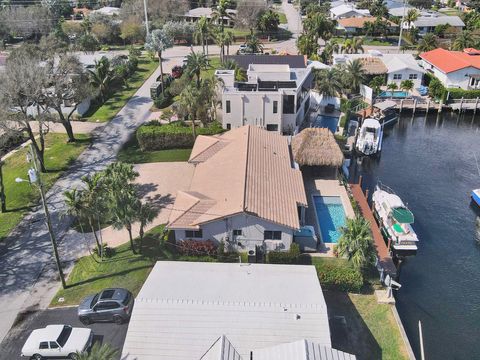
(401, 24)
(34, 176)
(420, 334)
(147, 28)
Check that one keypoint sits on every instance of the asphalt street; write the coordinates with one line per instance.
(12, 344)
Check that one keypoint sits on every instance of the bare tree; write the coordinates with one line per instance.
(28, 21)
(21, 96)
(248, 12)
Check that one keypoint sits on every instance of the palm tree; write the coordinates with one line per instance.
(347, 46)
(411, 17)
(254, 45)
(406, 85)
(124, 211)
(330, 48)
(202, 32)
(328, 82)
(75, 208)
(464, 40)
(220, 13)
(427, 43)
(355, 74)
(221, 40)
(146, 213)
(196, 63)
(93, 203)
(187, 104)
(158, 41)
(99, 352)
(376, 83)
(240, 74)
(356, 243)
(392, 86)
(229, 38)
(102, 76)
(357, 45)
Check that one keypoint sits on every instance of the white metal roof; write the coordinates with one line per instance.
(184, 307)
(438, 20)
(346, 8)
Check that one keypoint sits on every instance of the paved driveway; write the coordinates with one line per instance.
(103, 332)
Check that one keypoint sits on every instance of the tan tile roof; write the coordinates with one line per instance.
(359, 22)
(244, 170)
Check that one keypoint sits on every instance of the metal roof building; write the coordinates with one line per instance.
(244, 61)
(189, 310)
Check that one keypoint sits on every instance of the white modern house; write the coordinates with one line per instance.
(245, 192)
(427, 23)
(347, 11)
(455, 69)
(396, 67)
(195, 14)
(274, 97)
(221, 311)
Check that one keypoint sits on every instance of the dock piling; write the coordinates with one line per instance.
(414, 105)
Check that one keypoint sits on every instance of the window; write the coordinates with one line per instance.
(53, 345)
(227, 107)
(64, 335)
(229, 126)
(237, 232)
(289, 104)
(272, 235)
(275, 107)
(194, 234)
(272, 127)
(413, 76)
(43, 345)
(397, 76)
(107, 305)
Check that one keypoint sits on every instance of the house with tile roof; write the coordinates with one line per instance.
(245, 192)
(355, 25)
(427, 23)
(455, 69)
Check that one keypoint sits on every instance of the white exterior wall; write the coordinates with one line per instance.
(405, 76)
(252, 231)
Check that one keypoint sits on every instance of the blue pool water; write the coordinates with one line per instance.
(324, 121)
(396, 94)
(330, 216)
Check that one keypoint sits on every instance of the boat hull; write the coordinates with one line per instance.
(397, 250)
(476, 196)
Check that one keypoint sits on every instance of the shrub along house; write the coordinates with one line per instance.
(245, 192)
(275, 97)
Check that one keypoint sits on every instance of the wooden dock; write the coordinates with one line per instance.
(385, 261)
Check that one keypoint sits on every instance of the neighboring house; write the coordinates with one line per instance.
(426, 24)
(398, 10)
(455, 69)
(244, 61)
(355, 25)
(245, 192)
(195, 14)
(347, 11)
(274, 97)
(107, 10)
(225, 311)
(395, 67)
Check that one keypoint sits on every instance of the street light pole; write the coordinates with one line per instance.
(401, 24)
(147, 28)
(34, 176)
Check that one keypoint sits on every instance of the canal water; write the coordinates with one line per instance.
(429, 162)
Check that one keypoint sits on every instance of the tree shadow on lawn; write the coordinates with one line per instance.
(100, 277)
(349, 332)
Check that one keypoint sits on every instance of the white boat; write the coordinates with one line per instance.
(476, 196)
(395, 221)
(370, 136)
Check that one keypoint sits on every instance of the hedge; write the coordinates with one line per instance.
(335, 277)
(176, 135)
(285, 257)
(456, 93)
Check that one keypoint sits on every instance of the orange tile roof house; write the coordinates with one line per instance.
(455, 69)
(356, 24)
(245, 191)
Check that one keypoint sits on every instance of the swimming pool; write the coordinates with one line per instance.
(396, 94)
(330, 216)
(324, 121)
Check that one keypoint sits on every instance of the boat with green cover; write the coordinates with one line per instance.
(395, 221)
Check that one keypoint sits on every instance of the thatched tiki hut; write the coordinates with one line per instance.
(317, 151)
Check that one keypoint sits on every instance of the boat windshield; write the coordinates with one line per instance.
(403, 215)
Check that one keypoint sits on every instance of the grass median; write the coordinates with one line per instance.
(21, 196)
(107, 111)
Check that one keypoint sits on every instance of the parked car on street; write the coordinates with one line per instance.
(57, 341)
(108, 305)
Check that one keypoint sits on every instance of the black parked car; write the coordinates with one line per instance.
(108, 305)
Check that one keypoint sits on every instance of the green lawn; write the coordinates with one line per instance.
(382, 325)
(118, 100)
(21, 196)
(132, 154)
(283, 17)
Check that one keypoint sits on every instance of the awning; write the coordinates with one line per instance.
(403, 216)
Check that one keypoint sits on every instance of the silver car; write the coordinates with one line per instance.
(108, 305)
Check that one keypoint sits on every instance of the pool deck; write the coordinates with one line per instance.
(384, 259)
(325, 187)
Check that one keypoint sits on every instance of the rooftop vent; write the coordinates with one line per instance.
(471, 51)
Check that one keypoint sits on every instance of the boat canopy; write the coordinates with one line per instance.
(371, 123)
(403, 215)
